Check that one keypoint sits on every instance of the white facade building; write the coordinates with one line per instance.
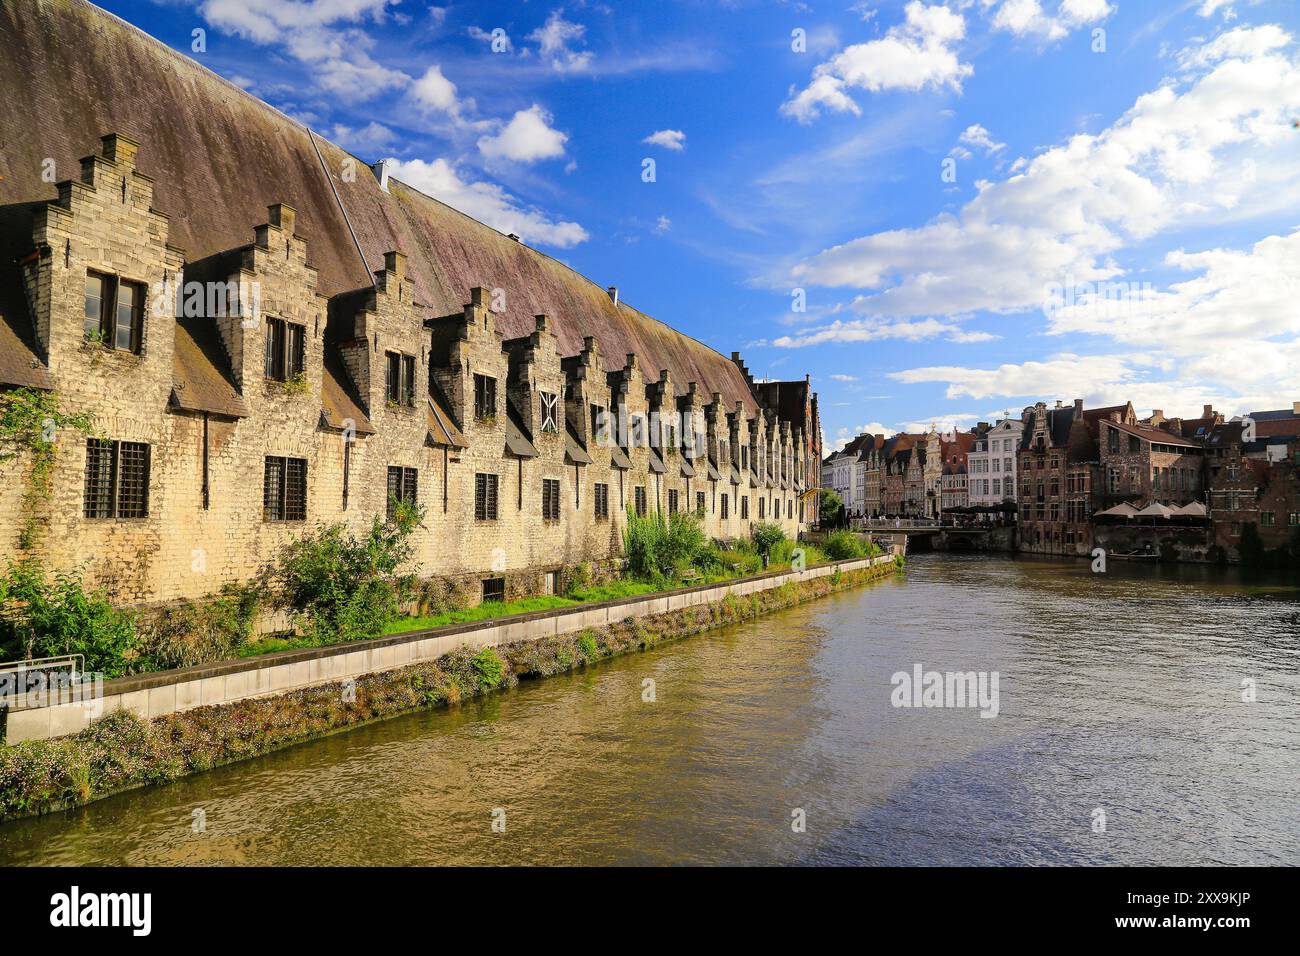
(991, 464)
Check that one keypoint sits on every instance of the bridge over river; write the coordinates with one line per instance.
(919, 534)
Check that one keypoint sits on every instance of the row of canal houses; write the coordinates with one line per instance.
(1074, 478)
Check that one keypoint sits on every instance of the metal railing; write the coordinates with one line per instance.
(17, 678)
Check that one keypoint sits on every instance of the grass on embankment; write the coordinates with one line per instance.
(121, 751)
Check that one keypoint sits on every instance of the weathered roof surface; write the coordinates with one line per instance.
(338, 401)
(20, 360)
(518, 443)
(19, 364)
(198, 381)
(219, 156)
(574, 453)
(1159, 436)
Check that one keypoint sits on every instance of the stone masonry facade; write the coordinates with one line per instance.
(257, 413)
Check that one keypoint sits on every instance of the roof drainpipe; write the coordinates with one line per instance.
(381, 170)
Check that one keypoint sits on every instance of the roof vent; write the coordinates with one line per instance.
(513, 236)
(382, 170)
(613, 294)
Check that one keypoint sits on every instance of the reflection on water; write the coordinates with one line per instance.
(1119, 691)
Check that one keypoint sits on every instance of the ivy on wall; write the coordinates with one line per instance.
(30, 420)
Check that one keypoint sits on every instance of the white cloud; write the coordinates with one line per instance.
(527, 138)
(977, 136)
(1209, 7)
(1235, 323)
(1179, 156)
(554, 38)
(913, 55)
(435, 91)
(673, 139)
(371, 138)
(868, 330)
(503, 40)
(1064, 374)
(315, 32)
(663, 224)
(488, 203)
(1028, 18)
(844, 378)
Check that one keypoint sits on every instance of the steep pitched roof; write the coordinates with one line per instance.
(219, 157)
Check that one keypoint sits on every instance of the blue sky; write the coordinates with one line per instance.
(984, 202)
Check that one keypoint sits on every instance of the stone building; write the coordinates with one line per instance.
(1058, 466)
(270, 334)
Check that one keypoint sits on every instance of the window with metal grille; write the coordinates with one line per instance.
(284, 489)
(550, 412)
(117, 479)
(550, 499)
(600, 501)
(761, 503)
(485, 497)
(114, 312)
(494, 589)
(485, 396)
(672, 501)
(744, 507)
(724, 508)
(285, 349)
(638, 497)
(699, 503)
(402, 485)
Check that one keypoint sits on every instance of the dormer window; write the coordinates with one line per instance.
(399, 379)
(485, 397)
(285, 349)
(114, 312)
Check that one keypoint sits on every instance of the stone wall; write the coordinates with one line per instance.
(206, 524)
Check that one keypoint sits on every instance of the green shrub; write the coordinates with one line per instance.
(655, 547)
(343, 588)
(842, 545)
(489, 668)
(580, 579)
(766, 536)
(587, 644)
(44, 618)
(189, 633)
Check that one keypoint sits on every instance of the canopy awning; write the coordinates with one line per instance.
(618, 458)
(688, 470)
(574, 453)
(517, 441)
(1193, 509)
(656, 463)
(443, 432)
(1121, 510)
(1155, 510)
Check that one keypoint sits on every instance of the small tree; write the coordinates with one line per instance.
(345, 588)
(766, 537)
(831, 508)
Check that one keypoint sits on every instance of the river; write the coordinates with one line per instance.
(1121, 737)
